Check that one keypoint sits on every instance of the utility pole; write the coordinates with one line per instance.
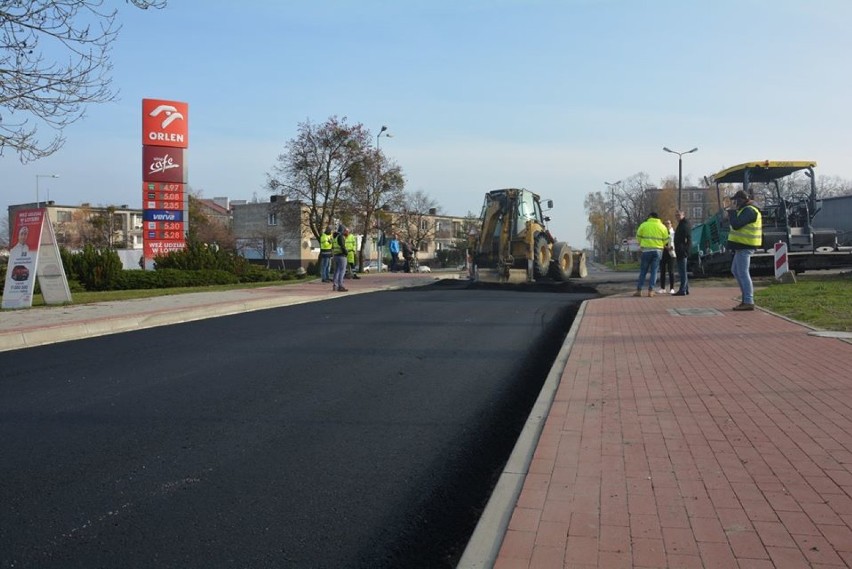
(612, 186)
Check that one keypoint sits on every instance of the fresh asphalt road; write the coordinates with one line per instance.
(364, 431)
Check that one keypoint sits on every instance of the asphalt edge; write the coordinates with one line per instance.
(484, 544)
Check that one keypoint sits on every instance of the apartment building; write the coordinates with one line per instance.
(119, 227)
(278, 232)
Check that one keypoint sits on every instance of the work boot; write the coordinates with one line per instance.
(637, 293)
(651, 293)
(743, 306)
(342, 289)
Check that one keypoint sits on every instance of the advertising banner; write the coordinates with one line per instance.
(158, 247)
(23, 256)
(160, 164)
(34, 252)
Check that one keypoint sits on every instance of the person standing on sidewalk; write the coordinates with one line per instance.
(325, 254)
(652, 236)
(393, 247)
(338, 249)
(667, 262)
(682, 246)
(745, 236)
(407, 254)
(351, 246)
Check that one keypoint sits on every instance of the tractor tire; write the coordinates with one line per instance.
(580, 271)
(562, 263)
(541, 256)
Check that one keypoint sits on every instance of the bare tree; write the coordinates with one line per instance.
(377, 185)
(833, 186)
(416, 221)
(103, 226)
(261, 241)
(633, 201)
(320, 167)
(36, 87)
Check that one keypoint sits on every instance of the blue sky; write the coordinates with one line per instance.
(554, 96)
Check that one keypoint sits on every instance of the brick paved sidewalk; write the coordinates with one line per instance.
(699, 438)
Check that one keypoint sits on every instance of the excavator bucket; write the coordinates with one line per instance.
(490, 275)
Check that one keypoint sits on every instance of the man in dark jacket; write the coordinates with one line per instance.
(682, 246)
(407, 254)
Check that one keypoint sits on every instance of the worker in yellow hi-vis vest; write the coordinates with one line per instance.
(652, 236)
(351, 246)
(745, 236)
(325, 254)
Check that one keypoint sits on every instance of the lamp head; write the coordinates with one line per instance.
(384, 128)
(667, 149)
(693, 150)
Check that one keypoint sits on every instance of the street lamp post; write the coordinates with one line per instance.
(679, 170)
(382, 132)
(37, 176)
(612, 186)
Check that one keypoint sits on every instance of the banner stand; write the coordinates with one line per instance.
(35, 255)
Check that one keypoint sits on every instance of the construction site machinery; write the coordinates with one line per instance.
(787, 218)
(513, 244)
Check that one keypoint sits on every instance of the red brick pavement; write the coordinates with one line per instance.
(705, 439)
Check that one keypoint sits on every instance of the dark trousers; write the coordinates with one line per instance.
(681, 272)
(666, 266)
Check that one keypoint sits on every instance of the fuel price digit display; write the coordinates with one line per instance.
(164, 230)
(157, 195)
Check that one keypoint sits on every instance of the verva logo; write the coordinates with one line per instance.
(161, 164)
(165, 123)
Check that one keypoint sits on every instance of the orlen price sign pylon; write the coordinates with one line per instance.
(165, 138)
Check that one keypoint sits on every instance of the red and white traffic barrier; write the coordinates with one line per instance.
(781, 264)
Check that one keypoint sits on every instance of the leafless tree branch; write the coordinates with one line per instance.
(54, 61)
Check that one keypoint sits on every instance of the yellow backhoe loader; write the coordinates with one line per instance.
(513, 244)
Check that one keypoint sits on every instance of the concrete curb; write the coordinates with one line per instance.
(484, 545)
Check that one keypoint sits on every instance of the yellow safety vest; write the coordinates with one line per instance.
(335, 247)
(325, 242)
(351, 245)
(751, 234)
(652, 234)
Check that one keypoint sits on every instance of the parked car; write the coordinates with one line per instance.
(371, 267)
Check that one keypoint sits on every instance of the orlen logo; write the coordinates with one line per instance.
(170, 112)
(165, 123)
